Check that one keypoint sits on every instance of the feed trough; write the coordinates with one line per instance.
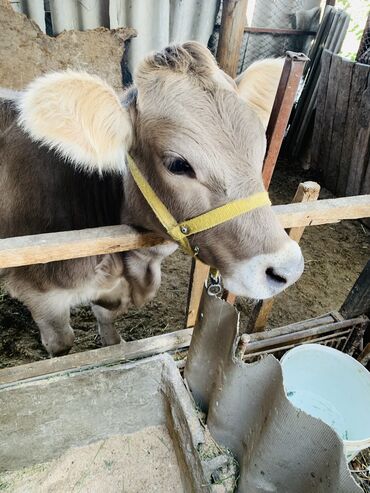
(127, 427)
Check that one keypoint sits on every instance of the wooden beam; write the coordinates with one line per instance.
(231, 35)
(281, 110)
(49, 247)
(306, 192)
(119, 353)
(358, 300)
(198, 275)
(278, 32)
(323, 211)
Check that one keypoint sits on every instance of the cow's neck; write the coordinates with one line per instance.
(135, 210)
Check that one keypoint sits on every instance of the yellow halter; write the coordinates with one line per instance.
(180, 231)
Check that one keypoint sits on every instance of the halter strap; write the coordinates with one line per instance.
(180, 231)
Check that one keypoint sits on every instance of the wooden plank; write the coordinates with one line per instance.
(281, 110)
(231, 35)
(358, 300)
(325, 319)
(198, 276)
(50, 247)
(306, 192)
(104, 356)
(358, 85)
(361, 144)
(278, 32)
(323, 211)
(340, 121)
(330, 105)
(320, 108)
(278, 340)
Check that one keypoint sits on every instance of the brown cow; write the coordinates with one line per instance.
(62, 166)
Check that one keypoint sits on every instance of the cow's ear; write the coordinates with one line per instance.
(79, 116)
(258, 86)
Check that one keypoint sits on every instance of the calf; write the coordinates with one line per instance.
(199, 145)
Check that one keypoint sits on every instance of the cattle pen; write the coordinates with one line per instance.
(203, 405)
(43, 248)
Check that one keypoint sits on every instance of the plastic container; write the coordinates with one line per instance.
(334, 387)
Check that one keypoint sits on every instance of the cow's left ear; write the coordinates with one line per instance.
(258, 85)
(79, 116)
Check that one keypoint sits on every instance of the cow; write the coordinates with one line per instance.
(198, 141)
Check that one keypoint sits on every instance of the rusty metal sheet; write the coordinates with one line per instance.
(279, 448)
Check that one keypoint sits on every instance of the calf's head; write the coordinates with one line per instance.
(198, 143)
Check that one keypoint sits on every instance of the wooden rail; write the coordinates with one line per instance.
(43, 248)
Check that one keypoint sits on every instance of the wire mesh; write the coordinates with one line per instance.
(363, 55)
(300, 15)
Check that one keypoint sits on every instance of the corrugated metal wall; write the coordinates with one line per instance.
(158, 22)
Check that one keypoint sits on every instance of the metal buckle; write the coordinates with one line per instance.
(214, 287)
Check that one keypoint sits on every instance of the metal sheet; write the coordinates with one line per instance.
(279, 448)
(34, 9)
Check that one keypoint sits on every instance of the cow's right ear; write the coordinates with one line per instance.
(80, 116)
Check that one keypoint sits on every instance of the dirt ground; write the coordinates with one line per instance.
(335, 255)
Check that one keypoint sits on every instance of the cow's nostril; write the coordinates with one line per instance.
(272, 275)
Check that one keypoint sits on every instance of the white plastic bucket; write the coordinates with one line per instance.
(332, 386)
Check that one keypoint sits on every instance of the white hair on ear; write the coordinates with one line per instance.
(80, 116)
(258, 86)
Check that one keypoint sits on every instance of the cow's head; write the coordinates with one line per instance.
(199, 144)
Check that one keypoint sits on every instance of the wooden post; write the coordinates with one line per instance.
(198, 276)
(358, 299)
(283, 105)
(231, 35)
(306, 192)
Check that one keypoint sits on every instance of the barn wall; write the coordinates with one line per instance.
(158, 23)
(341, 140)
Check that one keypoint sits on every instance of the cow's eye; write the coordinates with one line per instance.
(180, 166)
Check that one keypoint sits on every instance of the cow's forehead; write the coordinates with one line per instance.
(182, 113)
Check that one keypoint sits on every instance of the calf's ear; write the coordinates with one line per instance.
(80, 116)
(258, 85)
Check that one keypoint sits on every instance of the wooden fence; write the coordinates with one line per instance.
(341, 139)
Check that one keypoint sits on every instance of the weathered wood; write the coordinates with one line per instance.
(305, 334)
(344, 79)
(231, 34)
(326, 319)
(104, 356)
(198, 276)
(323, 211)
(278, 32)
(36, 249)
(320, 106)
(329, 110)
(358, 85)
(361, 145)
(358, 300)
(281, 110)
(306, 192)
